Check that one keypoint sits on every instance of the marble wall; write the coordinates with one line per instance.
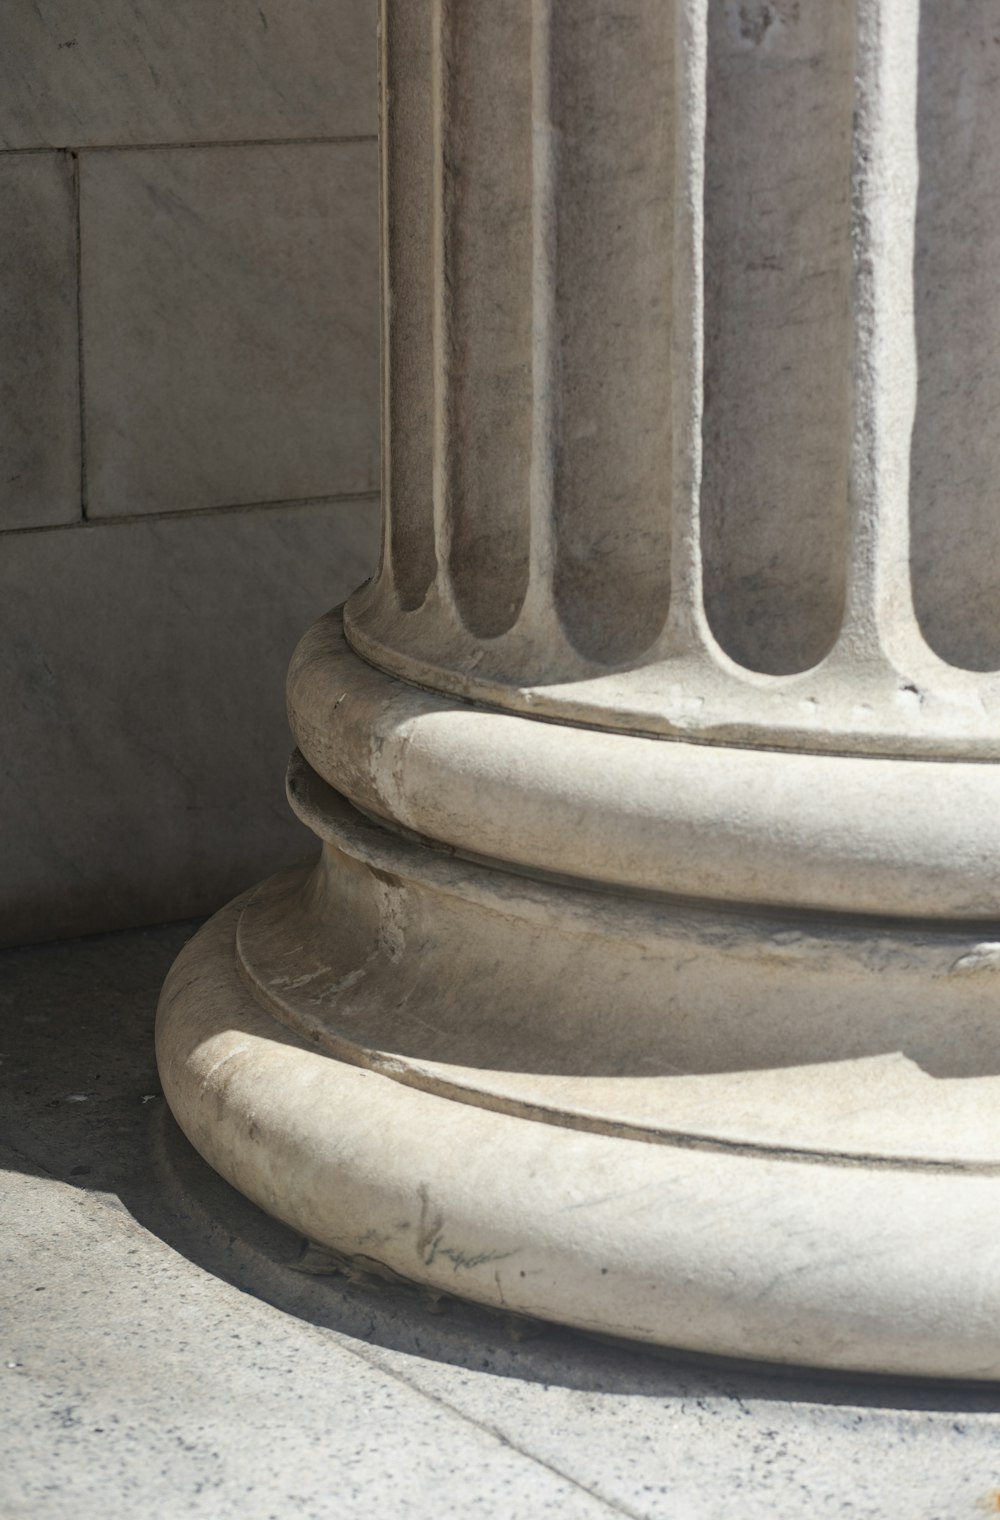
(188, 433)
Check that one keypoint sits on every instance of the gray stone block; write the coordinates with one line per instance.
(230, 311)
(139, 71)
(39, 373)
(141, 679)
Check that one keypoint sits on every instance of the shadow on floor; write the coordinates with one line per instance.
(81, 1104)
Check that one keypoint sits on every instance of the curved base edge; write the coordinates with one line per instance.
(861, 1268)
(787, 829)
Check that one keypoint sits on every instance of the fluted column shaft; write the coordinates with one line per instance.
(655, 288)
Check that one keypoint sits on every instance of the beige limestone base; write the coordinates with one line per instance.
(745, 1207)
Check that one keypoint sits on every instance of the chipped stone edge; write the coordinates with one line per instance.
(773, 1259)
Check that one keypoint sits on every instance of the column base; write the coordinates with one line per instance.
(669, 1123)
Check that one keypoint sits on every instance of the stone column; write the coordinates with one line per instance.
(648, 979)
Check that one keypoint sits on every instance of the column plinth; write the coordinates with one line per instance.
(647, 979)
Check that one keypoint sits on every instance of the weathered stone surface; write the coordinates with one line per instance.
(691, 1042)
(443, 1173)
(504, 1417)
(777, 266)
(140, 678)
(638, 555)
(136, 71)
(955, 453)
(39, 391)
(230, 325)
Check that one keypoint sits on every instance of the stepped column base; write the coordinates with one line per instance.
(658, 1114)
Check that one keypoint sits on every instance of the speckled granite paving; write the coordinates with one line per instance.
(165, 1350)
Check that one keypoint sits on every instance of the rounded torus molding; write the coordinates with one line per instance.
(846, 834)
(761, 1135)
(693, 1102)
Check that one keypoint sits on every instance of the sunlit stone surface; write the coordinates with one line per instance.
(648, 977)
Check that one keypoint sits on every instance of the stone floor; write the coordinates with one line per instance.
(167, 1350)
